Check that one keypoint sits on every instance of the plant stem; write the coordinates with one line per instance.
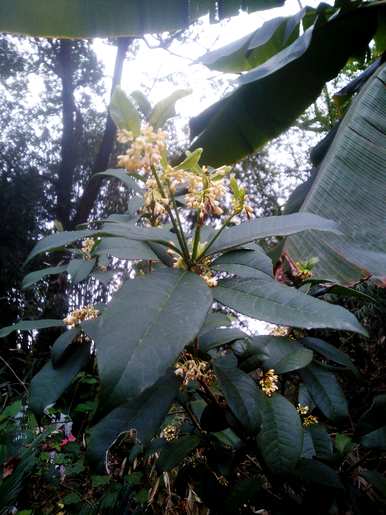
(227, 221)
(196, 239)
(185, 244)
(175, 226)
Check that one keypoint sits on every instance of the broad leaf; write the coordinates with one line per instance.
(375, 440)
(61, 346)
(219, 336)
(144, 328)
(144, 415)
(329, 352)
(245, 260)
(122, 248)
(269, 98)
(313, 471)
(80, 269)
(321, 441)
(124, 177)
(286, 355)
(165, 109)
(268, 300)
(34, 277)
(30, 325)
(114, 18)
(350, 188)
(215, 319)
(59, 240)
(270, 226)
(240, 392)
(376, 480)
(49, 383)
(124, 113)
(174, 453)
(255, 48)
(280, 440)
(325, 392)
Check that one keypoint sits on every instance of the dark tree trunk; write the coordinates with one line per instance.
(69, 149)
(101, 163)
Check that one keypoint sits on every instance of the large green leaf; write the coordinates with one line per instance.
(62, 345)
(144, 328)
(325, 392)
(281, 437)
(122, 248)
(350, 188)
(269, 98)
(240, 392)
(112, 18)
(174, 453)
(321, 440)
(255, 48)
(313, 471)
(270, 226)
(246, 261)
(49, 383)
(165, 108)
(271, 301)
(330, 352)
(375, 439)
(219, 336)
(124, 113)
(30, 325)
(286, 355)
(80, 269)
(144, 415)
(34, 277)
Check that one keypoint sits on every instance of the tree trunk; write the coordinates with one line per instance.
(101, 163)
(69, 145)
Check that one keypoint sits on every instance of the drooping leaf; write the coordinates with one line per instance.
(268, 300)
(313, 471)
(144, 328)
(142, 102)
(49, 383)
(325, 392)
(375, 439)
(114, 18)
(255, 259)
(165, 108)
(280, 440)
(80, 269)
(343, 444)
(173, 454)
(33, 277)
(124, 177)
(240, 392)
(59, 240)
(349, 188)
(219, 336)
(321, 440)
(374, 417)
(330, 352)
(124, 113)
(308, 450)
(286, 355)
(270, 97)
(376, 480)
(30, 325)
(143, 414)
(122, 248)
(62, 344)
(215, 319)
(255, 48)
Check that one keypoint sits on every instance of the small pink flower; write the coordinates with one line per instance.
(65, 441)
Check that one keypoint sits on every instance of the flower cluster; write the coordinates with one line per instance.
(170, 433)
(190, 369)
(269, 382)
(87, 247)
(205, 190)
(308, 420)
(81, 314)
(145, 150)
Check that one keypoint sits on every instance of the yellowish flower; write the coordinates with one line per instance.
(81, 314)
(269, 382)
(310, 421)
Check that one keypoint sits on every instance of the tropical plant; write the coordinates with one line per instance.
(174, 378)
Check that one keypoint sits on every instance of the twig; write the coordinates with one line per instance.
(14, 373)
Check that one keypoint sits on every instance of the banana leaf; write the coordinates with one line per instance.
(112, 18)
(350, 188)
